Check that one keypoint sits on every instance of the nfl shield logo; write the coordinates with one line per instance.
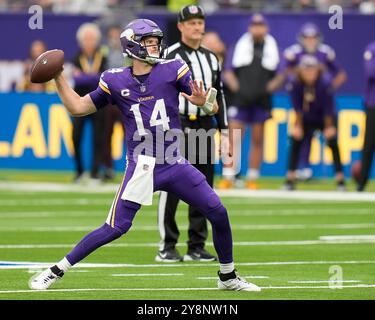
(193, 9)
(145, 167)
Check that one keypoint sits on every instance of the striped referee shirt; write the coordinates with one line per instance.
(205, 66)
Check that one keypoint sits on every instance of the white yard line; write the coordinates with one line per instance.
(238, 243)
(252, 277)
(39, 265)
(322, 281)
(348, 237)
(234, 227)
(147, 274)
(178, 289)
(238, 193)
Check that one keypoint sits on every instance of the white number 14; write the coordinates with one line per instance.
(158, 117)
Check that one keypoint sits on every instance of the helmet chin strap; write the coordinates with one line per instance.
(149, 59)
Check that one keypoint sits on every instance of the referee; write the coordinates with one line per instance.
(369, 143)
(204, 66)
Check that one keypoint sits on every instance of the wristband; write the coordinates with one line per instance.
(208, 107)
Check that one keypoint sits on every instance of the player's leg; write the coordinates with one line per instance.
(333, 145)
(304, 171)
(118, 222)
(190, 185)
(98, 128)
(294, 152)
(168, 229)
(368, 149)
(256, 155)
(198, 231)
(78, 124)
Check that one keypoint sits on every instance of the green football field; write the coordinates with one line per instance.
(297, 248)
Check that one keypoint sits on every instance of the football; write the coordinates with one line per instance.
(47, 66)
(356, 170)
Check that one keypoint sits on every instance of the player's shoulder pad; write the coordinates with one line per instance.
(328, 50)
(176, 66)
(291, 52)
(108, 76)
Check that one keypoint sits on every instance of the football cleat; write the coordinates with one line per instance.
(235, 283)
(170, 255)
(45, 279)
(225, 184)
(252, 185)
(199, 255)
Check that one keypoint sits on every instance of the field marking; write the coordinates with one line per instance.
(146, 274)
(40, 265)
(238, 193)
(322, 281)
(234, 227)
(252, 277)
(150, 212)
(238, 243)
(348, 237)
(180, 289)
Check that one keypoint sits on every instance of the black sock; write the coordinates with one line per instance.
(55, 269)
(227, 276)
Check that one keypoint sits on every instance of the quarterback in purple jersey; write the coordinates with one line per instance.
(313, 104)
(147, 95)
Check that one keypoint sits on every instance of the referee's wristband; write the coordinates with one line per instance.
(208, 107)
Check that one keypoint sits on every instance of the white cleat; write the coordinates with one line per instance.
(237, 284)
(45, 279)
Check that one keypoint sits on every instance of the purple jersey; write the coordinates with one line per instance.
(324, 53)
(150, 108)
(314, 102)
(369, 61)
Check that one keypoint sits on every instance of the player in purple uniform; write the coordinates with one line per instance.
(313, 103)
(369, 142)
(147, 94)
(309, 42)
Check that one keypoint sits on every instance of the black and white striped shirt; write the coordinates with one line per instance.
(205, 66)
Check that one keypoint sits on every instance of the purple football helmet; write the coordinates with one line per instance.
(309, 30)
(131, 38)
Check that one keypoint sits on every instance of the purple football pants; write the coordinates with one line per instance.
(188, 184)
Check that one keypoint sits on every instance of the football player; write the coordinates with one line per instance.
(310, 41)
(313, 103)
(147, 94)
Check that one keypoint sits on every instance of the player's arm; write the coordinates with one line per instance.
(340, 75)
(74, 103)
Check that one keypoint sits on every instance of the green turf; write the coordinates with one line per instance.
(29, 218)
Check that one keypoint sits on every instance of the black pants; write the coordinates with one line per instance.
(98, 128)
(168, 202)
(309, 129)
(368, 148)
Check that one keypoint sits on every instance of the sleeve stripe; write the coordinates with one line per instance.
(104, 88)
(183, 72)
(182, 68)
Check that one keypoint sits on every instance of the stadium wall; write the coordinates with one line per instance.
(35, 133)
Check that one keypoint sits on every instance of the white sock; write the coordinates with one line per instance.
(228, 173)
(226, 267)
(64, 265)
(252, 174)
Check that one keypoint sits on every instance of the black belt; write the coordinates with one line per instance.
(194, 117)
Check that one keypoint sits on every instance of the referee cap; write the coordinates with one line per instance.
(190, 12)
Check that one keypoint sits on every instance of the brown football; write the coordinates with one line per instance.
(47, 66)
